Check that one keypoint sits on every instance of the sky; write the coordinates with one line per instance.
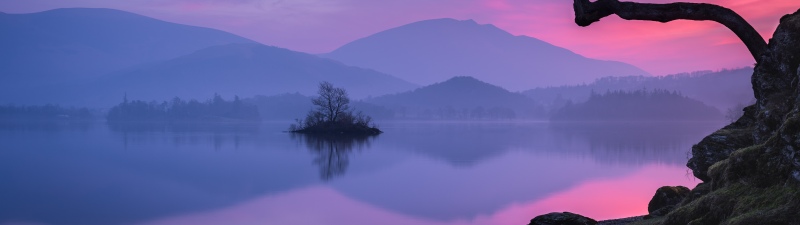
(320, 26)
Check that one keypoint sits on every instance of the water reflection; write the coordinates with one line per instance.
(436, 173)
(631, 143)
(469, 144)
(217, 134)
(332, 152)
(46, 126)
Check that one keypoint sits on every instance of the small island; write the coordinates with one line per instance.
(333, 115)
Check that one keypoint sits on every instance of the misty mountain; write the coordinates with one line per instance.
(722, 89)
(235, 69)
(460, 98)
(433, 50)
(63, 45)
(640, 105)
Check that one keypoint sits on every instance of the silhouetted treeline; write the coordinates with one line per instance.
(639, 105)
(723, 89)
(45, 112)
(215, 109)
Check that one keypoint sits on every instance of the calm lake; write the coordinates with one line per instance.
(414, 173)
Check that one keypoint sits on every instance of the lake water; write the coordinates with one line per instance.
(414, 173)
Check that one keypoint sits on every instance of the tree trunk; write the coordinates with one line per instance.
(587, 13)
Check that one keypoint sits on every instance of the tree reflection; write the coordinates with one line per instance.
(332, 152)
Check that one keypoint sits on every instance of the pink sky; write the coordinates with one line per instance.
(318, 26)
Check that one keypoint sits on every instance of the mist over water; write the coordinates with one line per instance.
(111, 117)
(414, 173)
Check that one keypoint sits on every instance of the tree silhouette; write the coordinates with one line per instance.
(331, 102)
(333, 115)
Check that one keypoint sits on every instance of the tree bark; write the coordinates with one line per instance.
(587, 12)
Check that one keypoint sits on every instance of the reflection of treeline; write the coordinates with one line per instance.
(215, 109)
(639, 105)
(45, 112)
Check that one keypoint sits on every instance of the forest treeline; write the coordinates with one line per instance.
(214, 109)
(638, 105)
(724, 89)
(44, 112)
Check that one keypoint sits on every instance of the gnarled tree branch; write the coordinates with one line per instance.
(587, 13)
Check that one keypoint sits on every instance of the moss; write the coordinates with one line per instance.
(742, 204)
(651, 221)
(716, 170)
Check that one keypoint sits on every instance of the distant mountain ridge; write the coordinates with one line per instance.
(239, 69)
(460, 98)
(91, 41)
(63, 46)
(94, 57)
(433, 50)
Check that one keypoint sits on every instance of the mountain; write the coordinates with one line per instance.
(236, 69)
(65, 45)
(433, 50)
(460, 98)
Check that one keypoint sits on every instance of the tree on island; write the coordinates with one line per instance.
(333, 115)
(750, 169)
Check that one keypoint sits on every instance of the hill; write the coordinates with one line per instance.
(433, 50)
(236, 69)
(460, 98)
(724, 89)
(64, 45)
(641, 105)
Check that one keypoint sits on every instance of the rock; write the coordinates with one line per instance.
(622, 220)
(564, 218)
(756, 183)
(666, 198)
(698, 191)
(719, 145)
(663, 211)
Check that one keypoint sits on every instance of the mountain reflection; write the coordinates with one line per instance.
(631, 143)
(332, 152)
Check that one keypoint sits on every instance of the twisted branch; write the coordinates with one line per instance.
(587, 13)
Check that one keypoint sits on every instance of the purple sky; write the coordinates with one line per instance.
(318, 26)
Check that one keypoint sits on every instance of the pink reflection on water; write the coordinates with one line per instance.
(307, 206)
(604, 199)
(599, 199)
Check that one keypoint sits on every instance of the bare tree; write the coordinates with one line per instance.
(331, 102)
